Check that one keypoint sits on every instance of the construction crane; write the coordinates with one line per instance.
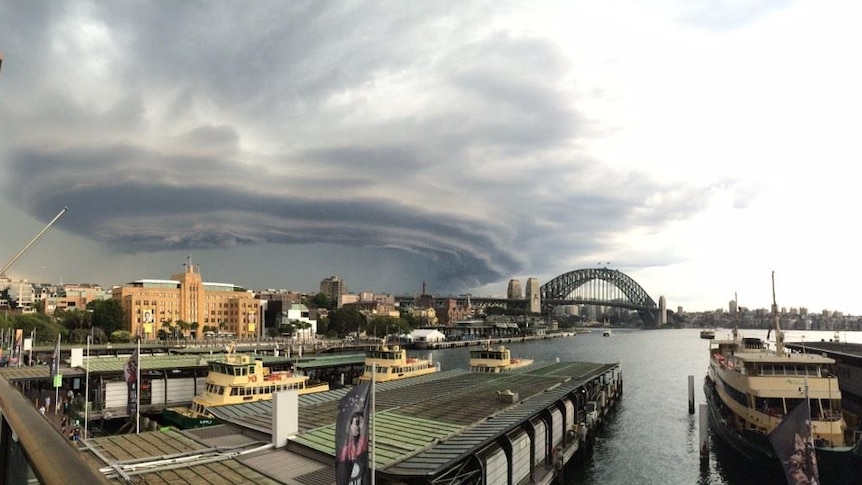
(32, 242)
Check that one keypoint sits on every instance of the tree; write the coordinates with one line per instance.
(320, 300)
(107, 315)
(121, 336)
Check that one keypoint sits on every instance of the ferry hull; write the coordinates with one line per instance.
(183, 420)
(836, 466)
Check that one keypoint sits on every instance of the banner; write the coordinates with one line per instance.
(56, 378)
(130, 372)
(351, 437)
(794, 446)
(16, 351)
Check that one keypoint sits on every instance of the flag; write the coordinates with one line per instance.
(794, 446)
(55, 361)
(351, 437)
(130, 369)
(130, 372)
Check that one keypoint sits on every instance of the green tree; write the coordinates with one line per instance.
(121, 336)
(344, 322)
(46, 328)
(320, 300)
(107, 315)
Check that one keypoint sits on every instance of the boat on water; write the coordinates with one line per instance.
(707, 333)
(751, 387)
(390, 363)
(235, 379)
(495, 360)
(606, 332)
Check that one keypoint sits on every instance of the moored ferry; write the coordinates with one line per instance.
(237, 379)
(390, 363)
(495, 360)
(707, 333)
(750, 389)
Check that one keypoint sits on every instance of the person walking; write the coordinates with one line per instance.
(48, 404)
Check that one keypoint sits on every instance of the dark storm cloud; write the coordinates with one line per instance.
(227, 124)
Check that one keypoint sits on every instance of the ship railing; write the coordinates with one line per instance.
(32, 447)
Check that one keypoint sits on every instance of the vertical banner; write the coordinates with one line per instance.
(130, 372)
(19, 336)
(794, 446)
(56, 378)
(351, 437)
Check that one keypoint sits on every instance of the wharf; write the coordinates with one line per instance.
(848, 367)
(447, 428)
(167, 380)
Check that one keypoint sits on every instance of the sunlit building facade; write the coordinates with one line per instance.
(187, 304)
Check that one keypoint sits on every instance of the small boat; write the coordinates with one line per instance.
(707, 333)
(752, 388)
(237, 379)
(390, 363)
(495, 360)
(606, 332)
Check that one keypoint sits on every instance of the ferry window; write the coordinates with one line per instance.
(234, 391)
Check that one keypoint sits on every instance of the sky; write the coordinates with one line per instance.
(695, 146)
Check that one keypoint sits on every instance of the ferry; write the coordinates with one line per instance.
(390, 363)
(237, 379)
(707, 333)
(751, 388)
(495, 360)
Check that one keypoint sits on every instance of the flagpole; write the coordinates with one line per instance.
(373, 421)
(56, 387)
(87, 390)
(138, 392)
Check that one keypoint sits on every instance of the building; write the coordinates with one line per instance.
(72, 297)
(514, 290)
(22, 295)
(333, 287)
(188, 305)
(298, 315)
(534, 298)
(275, 302)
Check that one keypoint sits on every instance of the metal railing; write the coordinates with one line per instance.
(51, 458)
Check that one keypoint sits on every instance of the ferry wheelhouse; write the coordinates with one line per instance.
(495, 360)
(238, 379)
(390, 363)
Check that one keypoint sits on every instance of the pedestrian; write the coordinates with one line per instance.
(63, 424)
(48, 403)
(42, 410)
(71, 395)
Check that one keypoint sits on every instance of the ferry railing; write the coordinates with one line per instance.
(29, 443)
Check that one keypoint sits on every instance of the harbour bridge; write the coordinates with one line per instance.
(590, 286)
(601, 287)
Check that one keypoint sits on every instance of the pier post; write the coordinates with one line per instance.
(690, 394)
(704, 433)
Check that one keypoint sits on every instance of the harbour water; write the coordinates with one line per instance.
(651, 438)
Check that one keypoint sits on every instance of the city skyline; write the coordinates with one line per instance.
(696, 148)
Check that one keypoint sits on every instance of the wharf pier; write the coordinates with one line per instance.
(451, 427)
(848, 367)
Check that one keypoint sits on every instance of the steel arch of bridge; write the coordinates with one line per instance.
(557, 292)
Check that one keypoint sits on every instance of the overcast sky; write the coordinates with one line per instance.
(695, 146)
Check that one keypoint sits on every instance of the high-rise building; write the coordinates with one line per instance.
(333, 287)
(534, 299)
(514, 290)
(662, 311)
(151, 305)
